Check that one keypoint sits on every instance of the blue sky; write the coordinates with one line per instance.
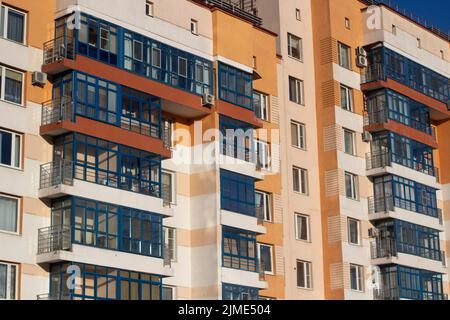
(436, 12)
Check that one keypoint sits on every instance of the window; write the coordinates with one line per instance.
(347, 23)
(349, 142)
(12, 24)
(442, 54)
(265, 253)
(149, 7)
(168, 187)
(10, 148)
(296, 90)
(298, 135)
(235, 86)
(351, 185)
(354, 231)
(254, 62)
(261, 105)
(262, 155)
(168, 293)
(8, 281)
(346, 98)
(237, 193)
(9, 213)
(300, 177)
(182, 67)
(356, 278)
(344, 55)
(419, 43)
(239, 249)
(170, 240)
(394, 29)
(295, 47)
(298, 14)
(11, 85)
(264, 204)
(304, 279)
(234, 292)
(194, 27)
(302, 227)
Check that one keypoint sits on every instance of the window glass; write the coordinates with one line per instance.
(13, 86)
(8, 214)
(15, 26)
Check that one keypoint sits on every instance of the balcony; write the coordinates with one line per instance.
(55, 238)
(396, 294)
(246, 9)
(56, 51)
(386, 162)
(56, 173)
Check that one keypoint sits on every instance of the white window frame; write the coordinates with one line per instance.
(259, 245)
(174, 291)
(308, 230)
(134, 50)
(265, 147)
(13, 150)
(194, 27)
(347, 97)
(18, 215)
(358, 231)
(299, 91)
(3, 85)
(359, 277)
(354, 185)
(342, 63)
(352, 134)
(301, 135)
(267, 203)
(293, 37)
(154, 49)
(302, 174)
(149, 9)
(307, 274)
(5, 24)
(264, 108)
(8, 279)
(166, 241)
(107, 39)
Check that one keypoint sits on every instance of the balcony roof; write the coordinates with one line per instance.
(245, 9)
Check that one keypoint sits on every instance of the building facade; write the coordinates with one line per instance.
(235, 150)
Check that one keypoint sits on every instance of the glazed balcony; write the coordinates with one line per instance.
(395, 294)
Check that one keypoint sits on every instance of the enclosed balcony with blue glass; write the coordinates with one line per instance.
(89, 159)
(396, 237)
(387, 105)
(76, 94)
(234, 292)
(398, 282)
(237, 139)
(236, 86)
(114, 45)
(239, 249)
(237, 193)
(93, 282)
(385, 63)
(389, 147)
(391, 191)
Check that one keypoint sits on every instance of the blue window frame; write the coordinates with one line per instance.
(410, 238)
(407, 194)
(103, 283)
(110, 164)
(392, 65)
(112, 103)
(109, 226)
(237, 139)
(389, 105)
(404, 151)
(239, 249)
(112, 44)
(413, 284)
(236, 86)
(237, 193)
(234, 292)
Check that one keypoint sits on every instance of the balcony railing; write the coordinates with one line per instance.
(373, 73)
(375, 117)
(260, 214)
(384, 248)
(53, 296)
(56, 110)
(54, 238)
(56, 173)
(167, 258)
(58, 49)
(408, 294)
(166, 193)
(389, 247)
(244, 8)
(381, 204)
(261, 270)
(386, 294)
(378, 160)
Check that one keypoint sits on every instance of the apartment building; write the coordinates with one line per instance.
(222, 149)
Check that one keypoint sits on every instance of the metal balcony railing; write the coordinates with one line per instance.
(378, 160)
(260, 213)
(166, 193)
(386, 294)
(246, 9)
(384, 248)
(56, 173)
(54, 238)
(57, 110)
(381, 204)
(378, 116)
(440, 216)
(58, 49)
(261, 270)
(373, 73)
(167, 258)
(167, 136)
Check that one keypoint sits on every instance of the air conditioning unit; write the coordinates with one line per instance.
(361, 61)
(373, 233)
(208, 100)
(360, 51)
(366, 136)
(39, 79)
